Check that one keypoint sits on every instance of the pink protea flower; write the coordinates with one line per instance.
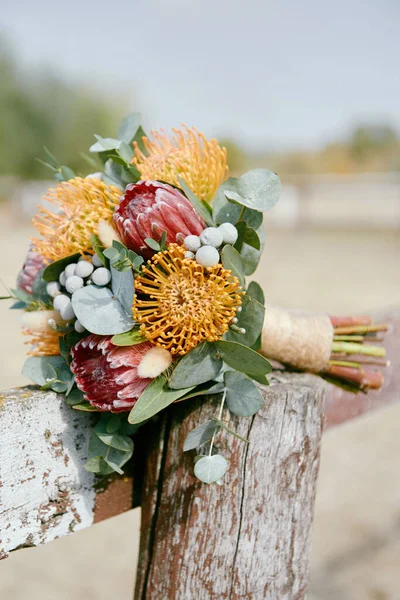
(112, 377)
(147, 209)
(34, 263)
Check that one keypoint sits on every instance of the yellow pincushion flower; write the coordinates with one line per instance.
(80, 205)
(43, 343)
(179, 303)
(201, 163)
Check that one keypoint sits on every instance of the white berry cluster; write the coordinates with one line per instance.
(88, 270)
(204, 248)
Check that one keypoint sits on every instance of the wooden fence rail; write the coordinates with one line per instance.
(249, 538)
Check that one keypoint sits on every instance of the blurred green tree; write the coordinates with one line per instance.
(38, 109)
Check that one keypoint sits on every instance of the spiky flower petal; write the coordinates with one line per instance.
(147, 209)
(107, 374)
(80, 204)
(43, 342)
(33, 264)
(201, 163)
(179, 303)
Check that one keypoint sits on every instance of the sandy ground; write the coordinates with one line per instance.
(356, 545)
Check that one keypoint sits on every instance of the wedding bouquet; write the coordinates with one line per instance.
(134, 294)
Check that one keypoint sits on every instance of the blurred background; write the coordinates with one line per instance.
(310, 90)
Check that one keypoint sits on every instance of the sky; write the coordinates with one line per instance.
(279, 75)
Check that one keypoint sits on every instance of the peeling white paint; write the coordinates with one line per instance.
(45, 492)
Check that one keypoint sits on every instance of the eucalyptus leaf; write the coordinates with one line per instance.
(130, 338)
(198, 366)
(51, 159)
(210, 469)
(231, 259)
(255, 291)
(86, 407)
(21, 295)
(195, 202)
(98, 248)
(66, 173)
(123, 288)
(17, 305)
(103, 144)
(100, 312)
(74, 397)
(258, 189)
(205, 389)
(243, 359)
(241, 229)
(129, 127)
(200, 435)
(251, 256)
(155, 398)
(36, 367)
(251, 238)
(242, 395)
(115, 440)
(126, 152)
(53, 271)
(152, 244)
(39, 289)
(98, 465)
(251, 318)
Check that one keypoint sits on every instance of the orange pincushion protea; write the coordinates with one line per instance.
(180, 303)
(80, 205)
(201, 163)
(43, 343)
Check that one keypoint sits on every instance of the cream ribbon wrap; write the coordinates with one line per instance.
(302, 341)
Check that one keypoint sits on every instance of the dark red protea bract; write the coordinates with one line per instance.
(147, 209)
(107, 374)
(33, 264)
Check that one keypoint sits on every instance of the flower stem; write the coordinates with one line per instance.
(353, 348)
(221, 408)
(360, 329)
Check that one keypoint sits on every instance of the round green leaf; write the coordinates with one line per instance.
(201, 434)
(123, 288)
(258, 189)
(100, 311)
(231, 259)
(243, 359)
(211, 468)
(242, 395)
(196, 367)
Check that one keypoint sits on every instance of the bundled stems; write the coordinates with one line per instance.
(354, 346)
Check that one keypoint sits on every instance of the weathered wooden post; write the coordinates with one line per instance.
(248, 538)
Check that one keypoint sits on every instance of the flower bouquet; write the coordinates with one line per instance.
(134, 295)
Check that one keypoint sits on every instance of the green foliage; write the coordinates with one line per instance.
(198, 366)
(231, 259)
(242, 395)
(243, 359)
(155, 397)
(255, 292)
(210, 469)
(100, 311)
(200, 435)
(98, 248)
(251, 318)
(199, 207)
(123, 288)
(50, 372)
(130, 338)
(109, 448)
(54, 269)
(121, 258)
